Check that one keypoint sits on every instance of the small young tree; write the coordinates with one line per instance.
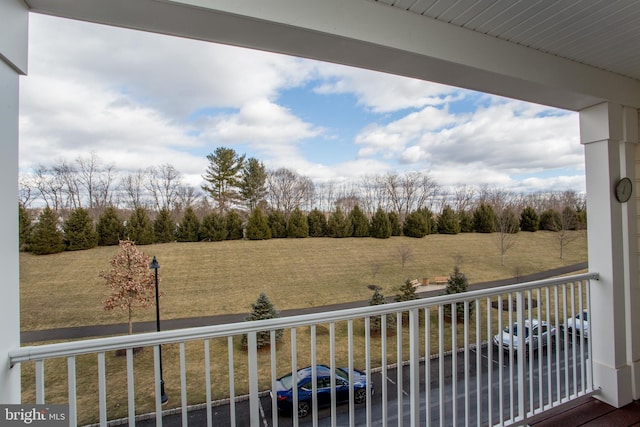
(46, 238)
(109, 227)
(79, 232)
(456, 284)
(130, 280)
(164, 227)
(376, 321)
(297, 226)
(258, 226)
(406, 253)
(380, 227)
(406, 292)
(261, 310)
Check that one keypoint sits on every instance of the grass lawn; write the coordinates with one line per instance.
(209, 278)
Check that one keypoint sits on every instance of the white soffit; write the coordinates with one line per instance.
(566, 53)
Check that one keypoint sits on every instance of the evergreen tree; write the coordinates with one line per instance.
(46, 238)
(415, 225)
(139, 228)
(252, 184)
(24, 223)
(277, 224)
(550, 220)
(484, 219)
(234, 226)
(338, 225)
(297, 226)
(507, 222)
(189, 228)
(406, 292)
(261, 310)
(109, 227)
(258, 226)
(394, 220)
(358, 222)
(376, 321)
(213, 228)
(448, 222)
(317, 223)
(223, 177)
(456, 284)
(529, 220)
(79, 231)
(164, 228)
(380, 225)
(466, 222)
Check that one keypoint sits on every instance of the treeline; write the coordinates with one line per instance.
(48, 232)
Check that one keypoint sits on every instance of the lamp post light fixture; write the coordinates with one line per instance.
(155, 266)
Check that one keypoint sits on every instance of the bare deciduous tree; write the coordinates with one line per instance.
(163, 183)
(287, 190)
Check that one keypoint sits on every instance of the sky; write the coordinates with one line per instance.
(137, 99)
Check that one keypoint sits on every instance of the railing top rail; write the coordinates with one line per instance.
(99, 345)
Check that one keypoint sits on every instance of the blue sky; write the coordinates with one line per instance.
(137, 100)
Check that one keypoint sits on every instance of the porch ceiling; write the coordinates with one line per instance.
(566, 53)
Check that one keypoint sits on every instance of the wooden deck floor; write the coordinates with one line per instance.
(591, 412)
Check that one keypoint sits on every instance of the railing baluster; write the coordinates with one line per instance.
(467, 409)
(294, 369)
(564, 342)
(479, 358)
(40, 382)
(102, 390)
(352, 415)
(414, 367)
(131, 396)
(73, 402)
(183, 385)
(441, 362)
(157, 382)
(207, 382)
(314, 377)
(501, 358)
(567, 385)
(454, 362)
(551, 344)
(254, 400)
(582, 360)
(427, 365)
(522, 412)
(589, 341)
(574, 340)
(332, 357)
(490, 363)
(399, 385)
(532, 350)
(383, 358)
(274, 379)
(232, 382)
(367, 349)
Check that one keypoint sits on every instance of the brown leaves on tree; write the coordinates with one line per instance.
(131, 281)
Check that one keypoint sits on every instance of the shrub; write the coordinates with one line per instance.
(258, 226)
(394, 220)
(415, 225)
(376, 321)
(358, 222)
(164, 228)
(110, 228)
(550, 220)
(24, 225)
(466, 222)
(213, 227)
(79, 232)
(46, 238)
(484, 219)
(297, 226)
(448, 222)
(456, 284)
(380, 225)
(234, 226)
(338, 225)
(406, 292)
(189, 228)
(139, 228)
(529, 219)
(317, 223)
(277, 224)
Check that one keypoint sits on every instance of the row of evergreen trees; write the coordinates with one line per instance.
(78, 231)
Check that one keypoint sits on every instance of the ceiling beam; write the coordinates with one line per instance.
(368, 35)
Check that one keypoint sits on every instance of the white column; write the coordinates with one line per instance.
(13, 61)
(609, 133)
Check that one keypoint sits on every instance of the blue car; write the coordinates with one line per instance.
(285, 385)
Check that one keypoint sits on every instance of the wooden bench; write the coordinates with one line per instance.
(415, 283)
(441, 280)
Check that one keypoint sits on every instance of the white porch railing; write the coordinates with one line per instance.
(428, 368)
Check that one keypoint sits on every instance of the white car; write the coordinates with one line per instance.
(579, 323)
(536, 333)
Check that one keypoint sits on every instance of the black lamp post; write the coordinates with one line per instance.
(155, 266)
